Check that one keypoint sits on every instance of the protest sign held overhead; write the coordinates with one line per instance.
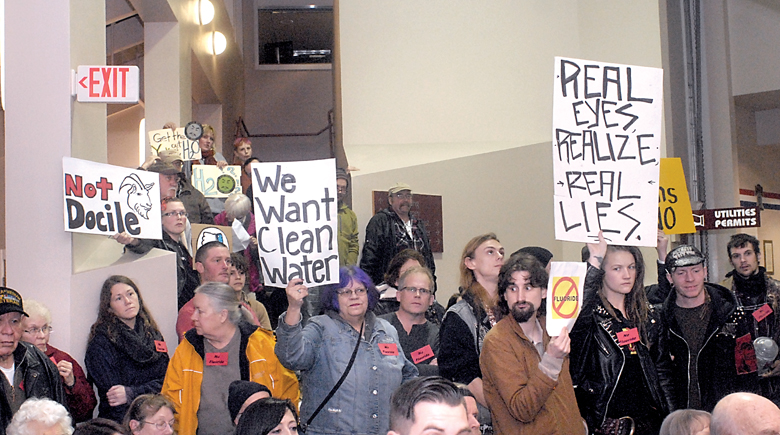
(296, 220)
(606, 151)
(213, 182)
(674, 205)
(167, 139)
(106, 199)
(564, 295)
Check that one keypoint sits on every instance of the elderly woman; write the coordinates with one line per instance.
(174, 223)
(322, 349)
(222, 347)
(126, 353)
(40, 416)
(268, 416)
(150, 414)
(78, 392)
(238, 206)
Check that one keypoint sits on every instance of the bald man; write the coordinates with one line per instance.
(745, 414)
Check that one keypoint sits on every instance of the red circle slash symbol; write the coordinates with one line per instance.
(558, 305)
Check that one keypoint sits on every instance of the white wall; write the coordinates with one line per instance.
(427, 81)
(753, 36)
(455, 98)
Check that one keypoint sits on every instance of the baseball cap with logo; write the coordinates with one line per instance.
(10, 301)
(682, 256)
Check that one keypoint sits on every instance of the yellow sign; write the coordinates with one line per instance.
(565, 297)
(674, 205)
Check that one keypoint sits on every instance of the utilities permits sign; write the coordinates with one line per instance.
(107, 83)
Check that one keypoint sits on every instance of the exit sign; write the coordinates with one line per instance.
(107, 84)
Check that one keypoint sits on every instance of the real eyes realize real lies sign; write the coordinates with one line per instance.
(606, 151)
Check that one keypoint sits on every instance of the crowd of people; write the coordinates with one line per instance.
(376, 353)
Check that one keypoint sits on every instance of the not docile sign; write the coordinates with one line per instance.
(107, 83)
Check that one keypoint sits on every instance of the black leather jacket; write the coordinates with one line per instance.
(597, 360)
(40, 378)
(716, 360)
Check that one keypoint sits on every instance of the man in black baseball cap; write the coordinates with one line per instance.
(27, 372)
(706, 355)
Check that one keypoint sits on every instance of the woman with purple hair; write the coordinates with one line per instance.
(322, 350)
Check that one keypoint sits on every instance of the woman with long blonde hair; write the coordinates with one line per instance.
(467, 322)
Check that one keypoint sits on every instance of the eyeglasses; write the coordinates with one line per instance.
(36, 331)
(349, 292)
(162, 425)
(176, 213)
(415, 290)
(401, 195)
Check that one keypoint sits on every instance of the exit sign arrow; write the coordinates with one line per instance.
(107, 84)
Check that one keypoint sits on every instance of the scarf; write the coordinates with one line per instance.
(137, 344)
(752, 288)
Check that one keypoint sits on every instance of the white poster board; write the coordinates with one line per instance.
(564, 295)
(213, 182)
(606, 151)
(105, 199)
(297, 222)
(167, 139)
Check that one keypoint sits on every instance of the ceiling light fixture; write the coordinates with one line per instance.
(216, 43)
(205, 12)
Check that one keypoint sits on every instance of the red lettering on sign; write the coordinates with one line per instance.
(124, 71)
(106, 75)
(93, 82)
(73, 187)
(104, 187)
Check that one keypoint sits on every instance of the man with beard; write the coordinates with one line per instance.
(392, 230)
(348, 229)
(758, 301)
(525, 372)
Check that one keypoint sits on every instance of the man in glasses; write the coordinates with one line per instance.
(419, 338)
(392, 230)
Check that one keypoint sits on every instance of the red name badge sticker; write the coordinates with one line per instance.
(628, 336)
(761, 313)
(216, 358)
(389, 349)
(160, 346)
(422, 354)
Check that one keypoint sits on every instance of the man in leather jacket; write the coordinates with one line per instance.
(27, 372)
(392, 230)
(699, 332)
(758, 300)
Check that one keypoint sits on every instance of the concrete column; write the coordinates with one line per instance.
(721, 171)
(166, 74)
(38, 134)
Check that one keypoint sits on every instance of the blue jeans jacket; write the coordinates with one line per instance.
(321, 351)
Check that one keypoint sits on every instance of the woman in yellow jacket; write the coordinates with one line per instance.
(222, 347)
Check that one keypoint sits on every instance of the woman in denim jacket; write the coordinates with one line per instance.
(322, 349)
